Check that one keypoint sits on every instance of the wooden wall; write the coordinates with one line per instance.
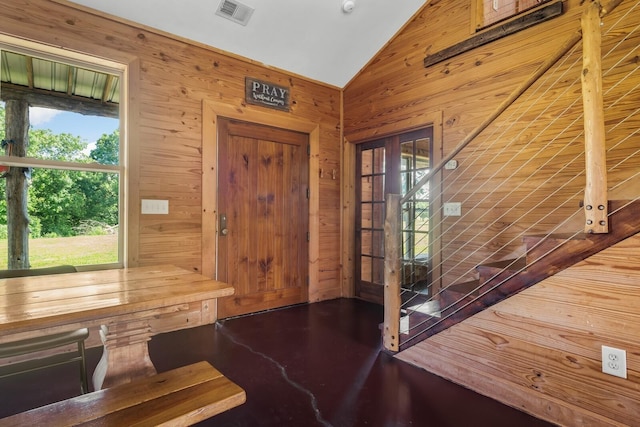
(538, 351)
(171, 82)
(529, 153)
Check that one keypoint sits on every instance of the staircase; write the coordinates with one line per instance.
(545, 256)
(517, 177)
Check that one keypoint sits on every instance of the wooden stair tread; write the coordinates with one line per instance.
(508, 264)
(463, 288)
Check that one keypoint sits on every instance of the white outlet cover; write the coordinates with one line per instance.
(614, 361)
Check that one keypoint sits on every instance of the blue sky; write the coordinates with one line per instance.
(88, 128)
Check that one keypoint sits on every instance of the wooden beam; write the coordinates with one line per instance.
(59, 101)
(392, 300)
(595, 193)
(530, 19)
(17, 142)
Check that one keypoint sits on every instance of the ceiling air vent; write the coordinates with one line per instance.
(235, 11)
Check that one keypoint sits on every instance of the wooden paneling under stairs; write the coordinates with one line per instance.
(545, 256)
(541, 350)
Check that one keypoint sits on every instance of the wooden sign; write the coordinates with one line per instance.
(258, 92)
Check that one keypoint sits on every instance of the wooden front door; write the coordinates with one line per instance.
(264, 216)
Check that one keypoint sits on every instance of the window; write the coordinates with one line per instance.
(489, 12)
(60, 187)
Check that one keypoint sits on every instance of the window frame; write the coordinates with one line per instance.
(101, 65)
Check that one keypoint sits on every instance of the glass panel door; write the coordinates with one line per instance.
(414, 164)
(370, 217)
(391, 165)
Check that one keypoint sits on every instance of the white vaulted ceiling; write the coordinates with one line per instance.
(310, 38)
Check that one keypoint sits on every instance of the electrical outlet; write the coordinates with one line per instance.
(614, 361)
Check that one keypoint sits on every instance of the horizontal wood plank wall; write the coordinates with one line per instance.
(171, 78)
(551, 328)
(540, 351)
(396, 87)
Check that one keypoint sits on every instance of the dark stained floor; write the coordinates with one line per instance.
(310, 365)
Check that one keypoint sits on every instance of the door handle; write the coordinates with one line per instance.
(223, 225)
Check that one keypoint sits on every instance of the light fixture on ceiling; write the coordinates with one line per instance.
(348, 5)
(235, 11)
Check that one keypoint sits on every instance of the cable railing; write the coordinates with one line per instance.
(520, 173)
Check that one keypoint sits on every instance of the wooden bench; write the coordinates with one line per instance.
(180, 397)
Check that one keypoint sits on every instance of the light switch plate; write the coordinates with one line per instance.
(452, 209)
(154, 207)
(451, 164)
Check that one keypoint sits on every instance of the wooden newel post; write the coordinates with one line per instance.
(392, 267)
(595, 194)
(17, 136)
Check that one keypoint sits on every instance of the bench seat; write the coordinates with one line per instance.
(181, 397)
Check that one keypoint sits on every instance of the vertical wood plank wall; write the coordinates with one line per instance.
(556, 340)
(170, 80)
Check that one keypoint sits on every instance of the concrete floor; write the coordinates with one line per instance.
(309, 365)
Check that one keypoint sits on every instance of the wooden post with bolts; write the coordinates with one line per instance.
(595, 195)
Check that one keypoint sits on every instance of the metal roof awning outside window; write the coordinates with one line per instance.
(49, 84)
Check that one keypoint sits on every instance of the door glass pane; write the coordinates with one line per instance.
(377, 243)
(366, 162)
(378, 188)
(405, 163)
(423, 147)
(365, 269)
(378, 271)
(378, 160)
(378, 215)
(366, 189)
(421, 220)
(366, 211)
(406, 181)
(365, 245)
